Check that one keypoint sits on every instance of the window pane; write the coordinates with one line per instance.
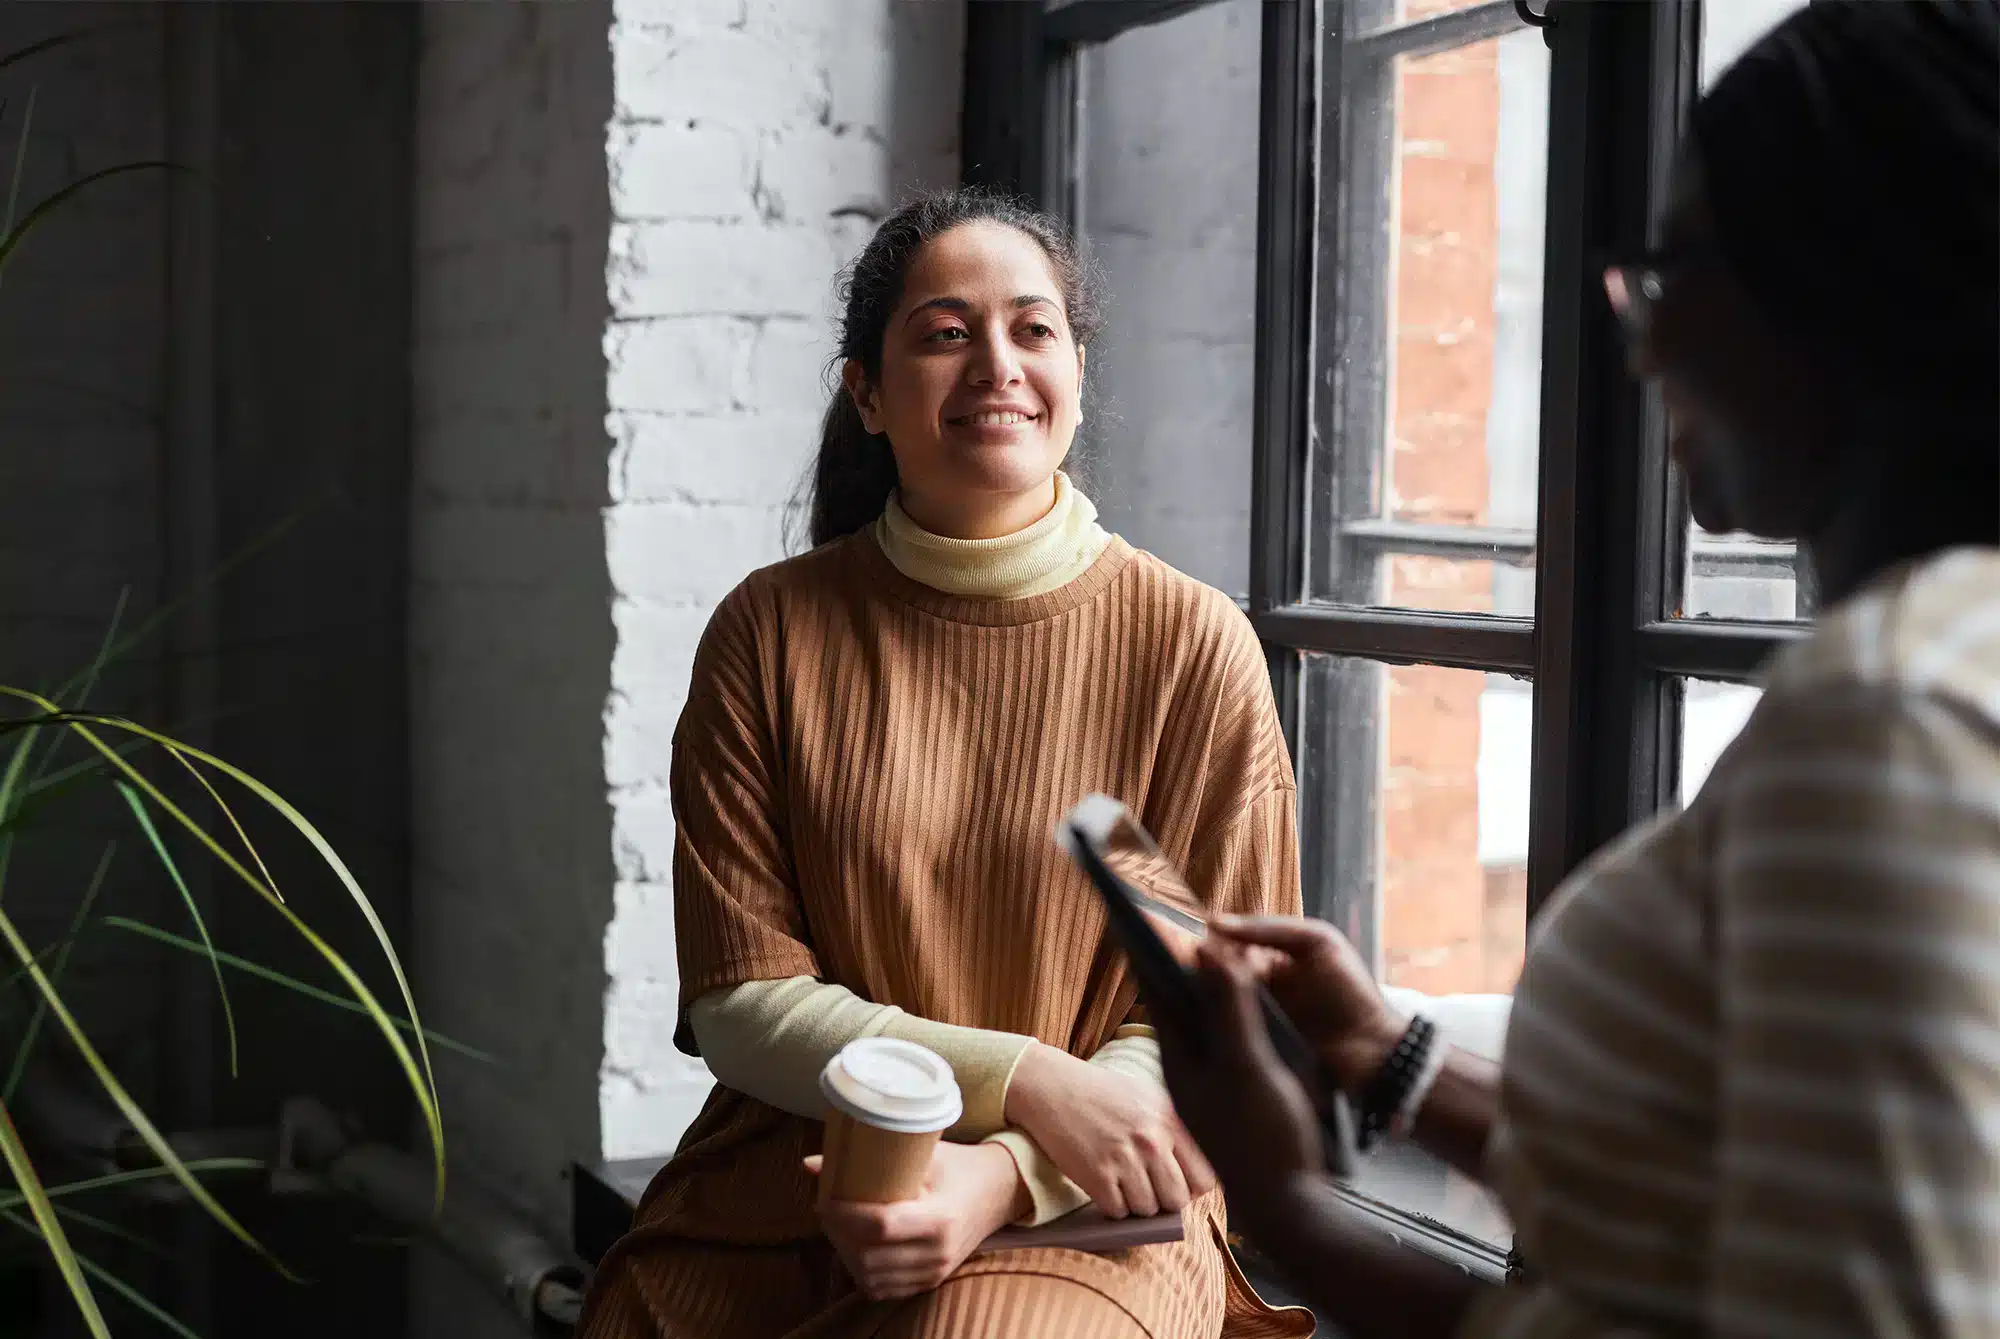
(1436, 322)
(1711, 715)
(1372, 16)
(1169, 211)
(1414, 823)
(1417, 779)
(1740, 576)
(1735, 576)
(1728, 27)
(1462, 585)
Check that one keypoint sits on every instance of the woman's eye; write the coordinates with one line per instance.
(949, 334)
(1042, 330)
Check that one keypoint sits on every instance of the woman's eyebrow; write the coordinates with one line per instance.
(961, 305)
(933, 304)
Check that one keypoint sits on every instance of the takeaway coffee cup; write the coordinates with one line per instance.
(887, 1103)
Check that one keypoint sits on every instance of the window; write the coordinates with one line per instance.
(1495, 637)
(1166, 437)
(1712, 714)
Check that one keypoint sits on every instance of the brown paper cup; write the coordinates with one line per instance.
(888, 1101)
(871, 1165)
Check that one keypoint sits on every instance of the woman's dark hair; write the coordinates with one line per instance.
(855, 473)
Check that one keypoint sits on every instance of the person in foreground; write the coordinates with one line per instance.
(1751, 1085)
(879, 738)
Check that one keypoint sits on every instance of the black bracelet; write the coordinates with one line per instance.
(1384, 1093)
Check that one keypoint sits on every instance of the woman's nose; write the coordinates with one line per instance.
(996, 363)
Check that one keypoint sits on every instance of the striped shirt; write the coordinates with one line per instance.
(1752, 1078)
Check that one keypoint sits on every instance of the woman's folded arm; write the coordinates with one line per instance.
(1132, 1051)
(771, 1039)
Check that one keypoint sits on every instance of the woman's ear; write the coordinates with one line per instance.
(867, 402)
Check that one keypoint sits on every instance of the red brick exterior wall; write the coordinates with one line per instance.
(1448, 924)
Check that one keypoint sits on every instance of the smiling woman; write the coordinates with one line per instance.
(980, 399)
(965, 310)
(880, 736)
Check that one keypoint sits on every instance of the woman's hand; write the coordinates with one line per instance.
(899, 1250)
(1251, 1115)
(1322, 984)
(1115, 1135)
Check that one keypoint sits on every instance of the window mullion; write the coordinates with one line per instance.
(1287, 105)
(1002, 133)
(1732, 651)
(1601, 712)
(1403, 636)
(1083, 21)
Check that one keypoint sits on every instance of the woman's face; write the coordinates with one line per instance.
(1752, 419)
(981, 382)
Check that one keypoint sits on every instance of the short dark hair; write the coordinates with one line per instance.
(1852, 163)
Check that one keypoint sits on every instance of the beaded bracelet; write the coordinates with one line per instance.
(1383, 1096)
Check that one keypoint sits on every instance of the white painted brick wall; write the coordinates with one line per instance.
(752, 146)
(629, 219)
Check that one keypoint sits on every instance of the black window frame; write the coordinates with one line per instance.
(1605, 651)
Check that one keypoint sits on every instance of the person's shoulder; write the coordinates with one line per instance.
(811, 576)
(1198, 616)
(766, 601)
(1897, 687)
(1930, 630)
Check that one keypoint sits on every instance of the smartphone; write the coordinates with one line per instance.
(1138, 885)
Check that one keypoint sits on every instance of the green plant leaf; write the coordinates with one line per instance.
(49, 951)
(15, 236)
(114, 1180)
(112, 1281)
(95, 669)
(278, 978)
(10, 781)
(50, 1230)
(26, 1049)
(229, 814)
(423, 1083)
(20, 163)
(60, 39)
(134, 1114)
(159, 617)
(138, 807)
(110, 1229)
(71, 773)
(41, 722)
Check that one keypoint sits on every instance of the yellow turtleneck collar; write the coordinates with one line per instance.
(1047, 556)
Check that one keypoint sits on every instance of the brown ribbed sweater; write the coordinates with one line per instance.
(865, 780)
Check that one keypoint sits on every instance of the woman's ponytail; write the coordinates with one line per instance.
(852, 477)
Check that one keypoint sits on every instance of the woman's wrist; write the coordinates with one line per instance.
(1036, 1074)
(1008, 1200)
(1353, 1059)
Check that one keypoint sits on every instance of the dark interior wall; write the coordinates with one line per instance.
(82, 423)
(81, 418)
(311, 415)
(189, 363)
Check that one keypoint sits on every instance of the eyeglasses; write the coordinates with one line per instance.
(1634, 287)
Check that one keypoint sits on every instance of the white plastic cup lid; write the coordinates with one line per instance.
(892, 1085)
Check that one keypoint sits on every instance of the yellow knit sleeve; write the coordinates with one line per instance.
(771, 1039)
(1132, 1051)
